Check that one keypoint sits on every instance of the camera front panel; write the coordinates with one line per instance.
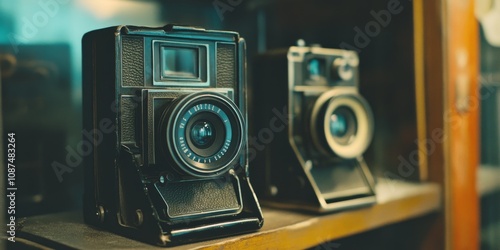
(330, 118)
(168, 69)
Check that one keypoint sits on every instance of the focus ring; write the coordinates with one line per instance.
(325, 106)
(224, 149)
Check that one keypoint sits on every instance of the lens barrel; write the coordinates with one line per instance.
(342, 124)
(203, 134)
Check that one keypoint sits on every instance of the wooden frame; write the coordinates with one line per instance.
(446, 53)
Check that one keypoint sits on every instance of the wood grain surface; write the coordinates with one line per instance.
(397, 201)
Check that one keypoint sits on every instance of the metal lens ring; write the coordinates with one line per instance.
(205, 134)
(343, 124)
(355, 141)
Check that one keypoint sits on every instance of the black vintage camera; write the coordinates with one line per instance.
(313, 159)
(167, 114)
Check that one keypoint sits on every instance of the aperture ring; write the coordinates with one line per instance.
(228, 145)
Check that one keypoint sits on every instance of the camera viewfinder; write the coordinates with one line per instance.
(179, 62)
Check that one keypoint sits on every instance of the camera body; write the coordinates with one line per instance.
(166, 111)
(311, 129)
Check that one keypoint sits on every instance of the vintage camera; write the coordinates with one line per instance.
(166, 111)
(312, 127)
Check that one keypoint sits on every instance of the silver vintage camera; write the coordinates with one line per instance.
(313, 160)
(165, 111)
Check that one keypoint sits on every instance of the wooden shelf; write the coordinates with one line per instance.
(397, 201)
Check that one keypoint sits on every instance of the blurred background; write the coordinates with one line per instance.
(40, 69)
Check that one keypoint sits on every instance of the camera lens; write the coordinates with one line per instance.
(202, 134)
(343, 125)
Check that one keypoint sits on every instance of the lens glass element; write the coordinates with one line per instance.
(203, 134)
(338, 125)
(343, 125)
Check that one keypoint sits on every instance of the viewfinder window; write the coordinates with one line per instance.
(179, 62)
(315, 72)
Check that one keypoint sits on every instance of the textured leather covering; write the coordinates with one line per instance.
(226, 62)
(133, 61)
(128, 120)
(202, 196)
